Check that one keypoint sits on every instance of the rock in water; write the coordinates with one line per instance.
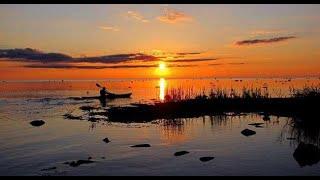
(49, 169)
(306, 154)
(248, 132)
(106, 140)
(37, 123)
(141, 145)
(205, 159)
(180, 153)
(79, 162)
(255, 124)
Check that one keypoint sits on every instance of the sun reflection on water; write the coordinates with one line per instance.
(162, 85)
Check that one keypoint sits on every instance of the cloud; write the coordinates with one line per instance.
(109, 28)
(264, 41)
(137, 16)
(117, 58)
(33, 55)
(188, 53)
(193, 60)
(173, 16)
(68, 66)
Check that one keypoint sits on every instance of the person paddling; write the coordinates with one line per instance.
(103, 93)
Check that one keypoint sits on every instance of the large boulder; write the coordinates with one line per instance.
(180, 153)
(306, 154)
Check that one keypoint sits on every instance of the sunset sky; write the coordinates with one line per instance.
(152, 41)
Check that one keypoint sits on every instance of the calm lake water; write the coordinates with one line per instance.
(26, 150)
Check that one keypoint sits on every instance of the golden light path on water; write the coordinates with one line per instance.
(162, 85)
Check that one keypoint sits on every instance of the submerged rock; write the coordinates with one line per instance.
(49, 169)
(78, 163)
(141, 145)
(248, 132)
(205, 159)
(180, 153)
(106, 140)
(37, 123)
(307, 154)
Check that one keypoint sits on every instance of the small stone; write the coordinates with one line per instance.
(248, 132)
(106, 140)
(180, 153)
(37, 123)
(141, 145)
(205, 159)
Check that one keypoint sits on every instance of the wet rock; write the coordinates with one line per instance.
(141, 145)
(106, 140)
(70, 116)
(180, 153)
(78, 163)
(49, 169)
(306, 154)
(37, 123)
(87, 108)
(258, 126)
(248, 132)
(255, 124)
(205, 159)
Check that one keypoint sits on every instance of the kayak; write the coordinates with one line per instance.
(113, 96)
(108, 96)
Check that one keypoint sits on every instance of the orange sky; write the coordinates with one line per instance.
(191, 41)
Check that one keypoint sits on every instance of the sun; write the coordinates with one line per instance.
(162, 69)
(162, 66)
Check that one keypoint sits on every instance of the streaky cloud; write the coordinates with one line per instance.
(137, 16)
(33, 55)
(193, 60)
(68, 66)
(117, 58)
(264, 41)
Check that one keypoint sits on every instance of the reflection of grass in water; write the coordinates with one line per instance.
(301, 130)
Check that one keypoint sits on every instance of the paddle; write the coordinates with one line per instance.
(98, 85)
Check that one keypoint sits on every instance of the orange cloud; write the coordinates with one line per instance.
(109, 28)
(173, 16)
(137, 16)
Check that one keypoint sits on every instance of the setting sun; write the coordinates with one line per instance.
(162, 69)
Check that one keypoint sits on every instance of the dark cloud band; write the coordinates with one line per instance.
(264, 41)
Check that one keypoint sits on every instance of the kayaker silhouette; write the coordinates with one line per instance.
(103, 97)
(103, 93)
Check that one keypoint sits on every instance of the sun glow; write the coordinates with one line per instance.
(162, 69)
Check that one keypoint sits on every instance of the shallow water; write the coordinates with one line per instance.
(25, 150)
